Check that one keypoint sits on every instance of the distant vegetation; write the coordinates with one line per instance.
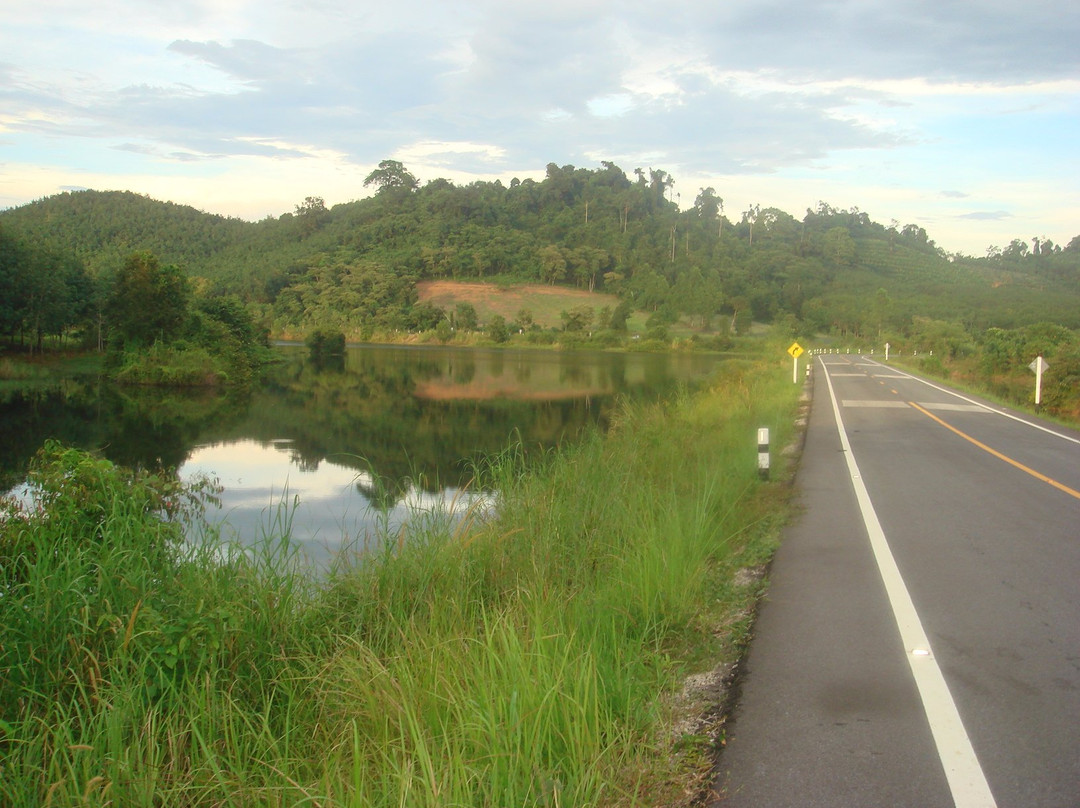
(665, 274)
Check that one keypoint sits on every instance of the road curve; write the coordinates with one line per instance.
(919, 644)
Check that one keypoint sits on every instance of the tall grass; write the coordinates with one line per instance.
(513, 658)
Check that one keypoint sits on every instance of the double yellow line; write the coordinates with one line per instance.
(1037, 475)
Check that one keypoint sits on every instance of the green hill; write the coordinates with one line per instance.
(355, 266)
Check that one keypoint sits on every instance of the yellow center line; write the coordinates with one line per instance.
(998, 454)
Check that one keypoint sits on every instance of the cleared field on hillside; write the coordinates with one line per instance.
(545, 303)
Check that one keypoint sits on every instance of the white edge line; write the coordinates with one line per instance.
(965, 776)
(984, 406)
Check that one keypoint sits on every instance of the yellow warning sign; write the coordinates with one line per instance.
(795, 350)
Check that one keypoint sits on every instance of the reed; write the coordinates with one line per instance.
(513, 657)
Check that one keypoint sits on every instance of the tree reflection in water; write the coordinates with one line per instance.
(361, 442)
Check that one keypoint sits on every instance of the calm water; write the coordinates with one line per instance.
(348, 446)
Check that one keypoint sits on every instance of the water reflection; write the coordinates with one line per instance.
(359, 442)
(327, 507)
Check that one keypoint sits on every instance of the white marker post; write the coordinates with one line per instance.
(887, 346)
(1039, 365)
(763, 453)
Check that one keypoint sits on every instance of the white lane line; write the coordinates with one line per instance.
(967, 782)
(903, 405)
(929, 405)
(993, 410)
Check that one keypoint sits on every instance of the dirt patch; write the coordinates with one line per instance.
(544, 303)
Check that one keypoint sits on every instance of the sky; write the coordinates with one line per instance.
(961, 117)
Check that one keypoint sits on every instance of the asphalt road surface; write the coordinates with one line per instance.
(919, 644)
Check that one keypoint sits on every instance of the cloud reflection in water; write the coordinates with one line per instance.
(264, 485)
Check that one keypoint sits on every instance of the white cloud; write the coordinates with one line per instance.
(905, 97)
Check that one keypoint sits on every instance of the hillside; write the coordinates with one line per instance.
(362, 266)
(544, 303)
(103, 228)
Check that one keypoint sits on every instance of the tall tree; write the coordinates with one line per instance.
(149, 302)
(312, 214)
(391, 176)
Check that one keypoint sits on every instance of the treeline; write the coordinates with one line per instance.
(354, 267)
(43, 291)
(156, 325)
(998, 361)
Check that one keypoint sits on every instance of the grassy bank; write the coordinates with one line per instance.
(22, 371)
(524, 657)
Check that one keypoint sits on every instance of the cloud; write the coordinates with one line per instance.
(995, 41)
(986, 215)
(907, 95)
(139, 148)
(459, 155)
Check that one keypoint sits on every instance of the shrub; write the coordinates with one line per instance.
(326, 343)
(178, 365)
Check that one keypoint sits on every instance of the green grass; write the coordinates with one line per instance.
(23, 371)
(514, 658)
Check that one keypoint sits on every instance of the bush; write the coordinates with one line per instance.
(326, 343)
(541, 337)
(76, 565)
(497, 330)
(178, 365)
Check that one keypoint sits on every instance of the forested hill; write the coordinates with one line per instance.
(355, 265)
(102, 228)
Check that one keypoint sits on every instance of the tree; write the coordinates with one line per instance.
(427, 316)
(149, 302)
(466, 317)
(552, 264)
(659, 183)
(577, 319)
(698, 295)
(444, 331)
(839, 246)
(710, 208)
(750, 217)
(312, 214)
(1016, 251)
(497, 330)
(741, 318)
(619, 316)
(391, 176)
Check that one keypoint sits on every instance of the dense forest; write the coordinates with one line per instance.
(354, 267)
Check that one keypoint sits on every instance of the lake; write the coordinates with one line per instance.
(350, 446)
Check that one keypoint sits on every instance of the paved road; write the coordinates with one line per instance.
(919, 644)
